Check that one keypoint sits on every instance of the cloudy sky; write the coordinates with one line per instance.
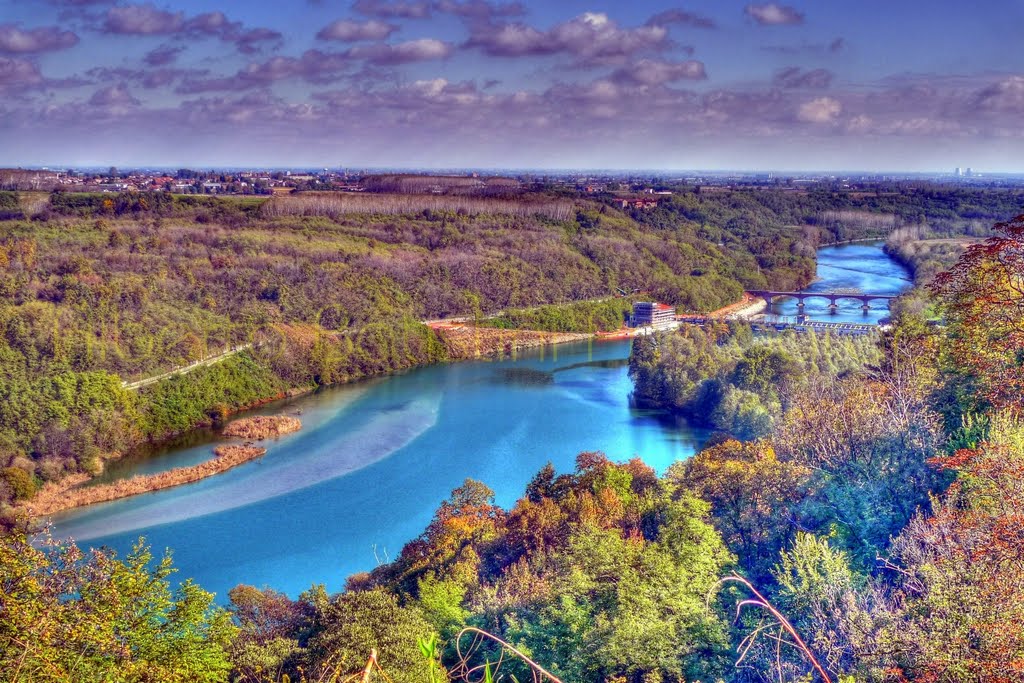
(915, 85)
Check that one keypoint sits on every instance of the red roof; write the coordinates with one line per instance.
(663, 307)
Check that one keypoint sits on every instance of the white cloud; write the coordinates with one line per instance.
(820, 110)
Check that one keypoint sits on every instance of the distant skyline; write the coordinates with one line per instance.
(874, 86)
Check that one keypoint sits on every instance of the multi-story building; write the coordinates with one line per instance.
(649, 313)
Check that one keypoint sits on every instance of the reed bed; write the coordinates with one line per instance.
(70, 492)
(262, 427)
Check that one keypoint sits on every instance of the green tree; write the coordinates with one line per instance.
(73, 617)
(346, 628)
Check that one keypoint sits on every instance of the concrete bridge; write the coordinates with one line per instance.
(832, 297)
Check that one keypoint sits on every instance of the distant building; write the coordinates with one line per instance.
(649, 313)
(638, 203)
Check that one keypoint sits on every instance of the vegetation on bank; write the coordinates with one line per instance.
(725, 377)
(584, 317)
(72, 492)
(926, 252)
(877, 519)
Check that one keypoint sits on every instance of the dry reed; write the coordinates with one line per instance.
(70, 492)
(464, 341)
(262, 427)
(334, 205)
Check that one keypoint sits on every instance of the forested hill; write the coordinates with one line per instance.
(101, 288)
(872, 534)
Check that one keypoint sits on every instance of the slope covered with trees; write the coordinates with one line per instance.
(877, 520)
(872, 533)
(103, 288)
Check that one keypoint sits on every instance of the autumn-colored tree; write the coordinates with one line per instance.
(983, 298)
(270, 625)
(450, 545)
(960, 571)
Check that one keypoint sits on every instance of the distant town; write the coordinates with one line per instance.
(459, 181)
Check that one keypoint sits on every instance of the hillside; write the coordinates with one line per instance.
(105, 288)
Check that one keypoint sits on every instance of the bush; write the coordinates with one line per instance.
(20, 482)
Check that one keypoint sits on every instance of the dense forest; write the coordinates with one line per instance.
(872, 532)
(315, 289)
(722, 377)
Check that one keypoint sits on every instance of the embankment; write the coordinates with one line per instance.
(465, 341)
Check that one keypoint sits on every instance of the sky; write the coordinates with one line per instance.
(873, 85)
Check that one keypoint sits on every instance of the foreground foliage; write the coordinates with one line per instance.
(70, 616)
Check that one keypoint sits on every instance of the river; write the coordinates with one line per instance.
(858, 266)
(374, 459)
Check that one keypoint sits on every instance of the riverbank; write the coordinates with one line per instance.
(465, 342)
(928, 257)
(73, 492)
(462, 341)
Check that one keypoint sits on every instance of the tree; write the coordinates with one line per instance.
(348, 627)
(449, 545)
(619, 608)
(270, 625)
(961, 570)
(983, 302)
(824, 600)
(20, 482)
(67, 616)
(753, 495)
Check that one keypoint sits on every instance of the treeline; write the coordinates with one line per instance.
(495, 186)
(726, 378)
(927, 252)
(205, 209)
(586, 316)
(71, 422)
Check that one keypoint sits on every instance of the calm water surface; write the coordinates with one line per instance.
(374, 459)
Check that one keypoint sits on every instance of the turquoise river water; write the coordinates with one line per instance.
(374, 459)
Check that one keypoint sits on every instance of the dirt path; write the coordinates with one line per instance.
(184, 369)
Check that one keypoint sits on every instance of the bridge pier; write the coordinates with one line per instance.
(865, 307)
(833, 308)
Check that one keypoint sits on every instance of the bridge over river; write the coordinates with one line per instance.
(832, 297)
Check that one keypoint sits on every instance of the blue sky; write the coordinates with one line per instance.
(898, 85)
